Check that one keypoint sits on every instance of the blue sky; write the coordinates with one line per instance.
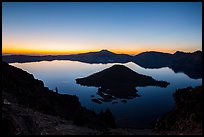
(130, 27)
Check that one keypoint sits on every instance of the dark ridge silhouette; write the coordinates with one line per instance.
(26, 58)
(103, 56)
(118, 81)
(189, 63)
(180, 53)
(20, 89)
(152, 59)
(186, 116)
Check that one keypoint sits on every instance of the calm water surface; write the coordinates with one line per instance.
(140, 112)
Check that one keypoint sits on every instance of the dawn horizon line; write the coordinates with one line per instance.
(41, 54)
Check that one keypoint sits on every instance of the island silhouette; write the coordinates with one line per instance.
(118, 82)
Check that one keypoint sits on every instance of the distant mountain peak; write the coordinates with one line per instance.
(198, 52)
(179, 52)
(105, 51)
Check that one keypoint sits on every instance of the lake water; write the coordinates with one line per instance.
(140, 112)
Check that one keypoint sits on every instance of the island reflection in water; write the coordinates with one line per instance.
(139, 112)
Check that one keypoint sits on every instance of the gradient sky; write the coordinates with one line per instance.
(64, 28)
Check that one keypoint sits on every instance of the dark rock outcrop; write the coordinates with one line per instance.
(186, 116)
(118, 81)
(21, 89)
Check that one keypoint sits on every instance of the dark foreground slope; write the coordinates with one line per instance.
(21, 92)
(186, 116)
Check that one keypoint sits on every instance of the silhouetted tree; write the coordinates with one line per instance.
(56, 90)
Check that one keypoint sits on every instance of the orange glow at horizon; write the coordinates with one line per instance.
(61, 52)
(46, 52)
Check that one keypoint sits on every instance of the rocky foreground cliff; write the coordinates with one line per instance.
(27, 105)
(186, 116)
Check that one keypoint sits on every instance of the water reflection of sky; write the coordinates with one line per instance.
(139, 112)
